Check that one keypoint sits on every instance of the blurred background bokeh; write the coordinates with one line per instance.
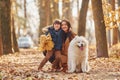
(30, 16)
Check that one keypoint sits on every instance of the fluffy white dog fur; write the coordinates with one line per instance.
(78, 55)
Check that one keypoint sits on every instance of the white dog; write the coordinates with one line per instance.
(78, 55)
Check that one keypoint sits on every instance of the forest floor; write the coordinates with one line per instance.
(24, 65)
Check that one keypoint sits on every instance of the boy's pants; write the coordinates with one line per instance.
(56, 62)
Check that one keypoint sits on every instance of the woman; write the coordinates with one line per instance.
(67, 36)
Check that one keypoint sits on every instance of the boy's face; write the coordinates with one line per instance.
(56, 26)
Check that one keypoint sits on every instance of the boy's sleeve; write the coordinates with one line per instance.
(48, 31)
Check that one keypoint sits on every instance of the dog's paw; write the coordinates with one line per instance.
(78, 70)
(85, 70)
(70, 71)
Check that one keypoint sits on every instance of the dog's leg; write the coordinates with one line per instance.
(87, 67)
(71, 66)
(84, 65)
(78, 68)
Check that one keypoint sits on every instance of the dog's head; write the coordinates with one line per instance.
(81, 42)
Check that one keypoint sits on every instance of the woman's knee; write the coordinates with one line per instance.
(58, 53)
(63, 59)
(47, 57)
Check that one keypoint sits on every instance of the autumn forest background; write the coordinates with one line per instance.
(97, 20)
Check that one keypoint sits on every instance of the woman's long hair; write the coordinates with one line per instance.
(68, 34)
(67, 23)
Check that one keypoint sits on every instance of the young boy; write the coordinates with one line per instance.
(56, 34)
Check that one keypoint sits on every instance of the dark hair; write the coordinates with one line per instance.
(67, 23)
(57, 22)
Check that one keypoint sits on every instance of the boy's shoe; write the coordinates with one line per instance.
(39, 68)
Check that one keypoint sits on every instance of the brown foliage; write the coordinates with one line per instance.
(23, 66)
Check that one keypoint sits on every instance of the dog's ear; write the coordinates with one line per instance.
(76, 37)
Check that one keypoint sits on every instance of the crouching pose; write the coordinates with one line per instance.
(56, 34)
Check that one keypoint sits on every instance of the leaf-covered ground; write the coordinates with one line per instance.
(23, 66)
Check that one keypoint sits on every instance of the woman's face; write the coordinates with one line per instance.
(64, 26)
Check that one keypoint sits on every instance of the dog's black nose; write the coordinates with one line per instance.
(81, 45)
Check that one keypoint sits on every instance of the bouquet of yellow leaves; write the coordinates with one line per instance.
(46, 43)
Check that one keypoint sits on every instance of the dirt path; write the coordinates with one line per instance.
(23, 66)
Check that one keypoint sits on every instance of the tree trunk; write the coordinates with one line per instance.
(18, 24)
(77, 6)
(118, 2)
(5, 25)
(54, 10)
(43, 11)
(48, 11)
(115, 30)
(67, 11)
(82, 18)
(13, 36)
(119, 25)
(1, 45)
(109, 32)
(100, 31)
(25, 14)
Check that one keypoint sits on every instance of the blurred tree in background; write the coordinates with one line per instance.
(100, 31)
(5, 16)
(66, 10)
(48, 11)
(82, 18)
(115, 30)
(20, 18)
(1, 44)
